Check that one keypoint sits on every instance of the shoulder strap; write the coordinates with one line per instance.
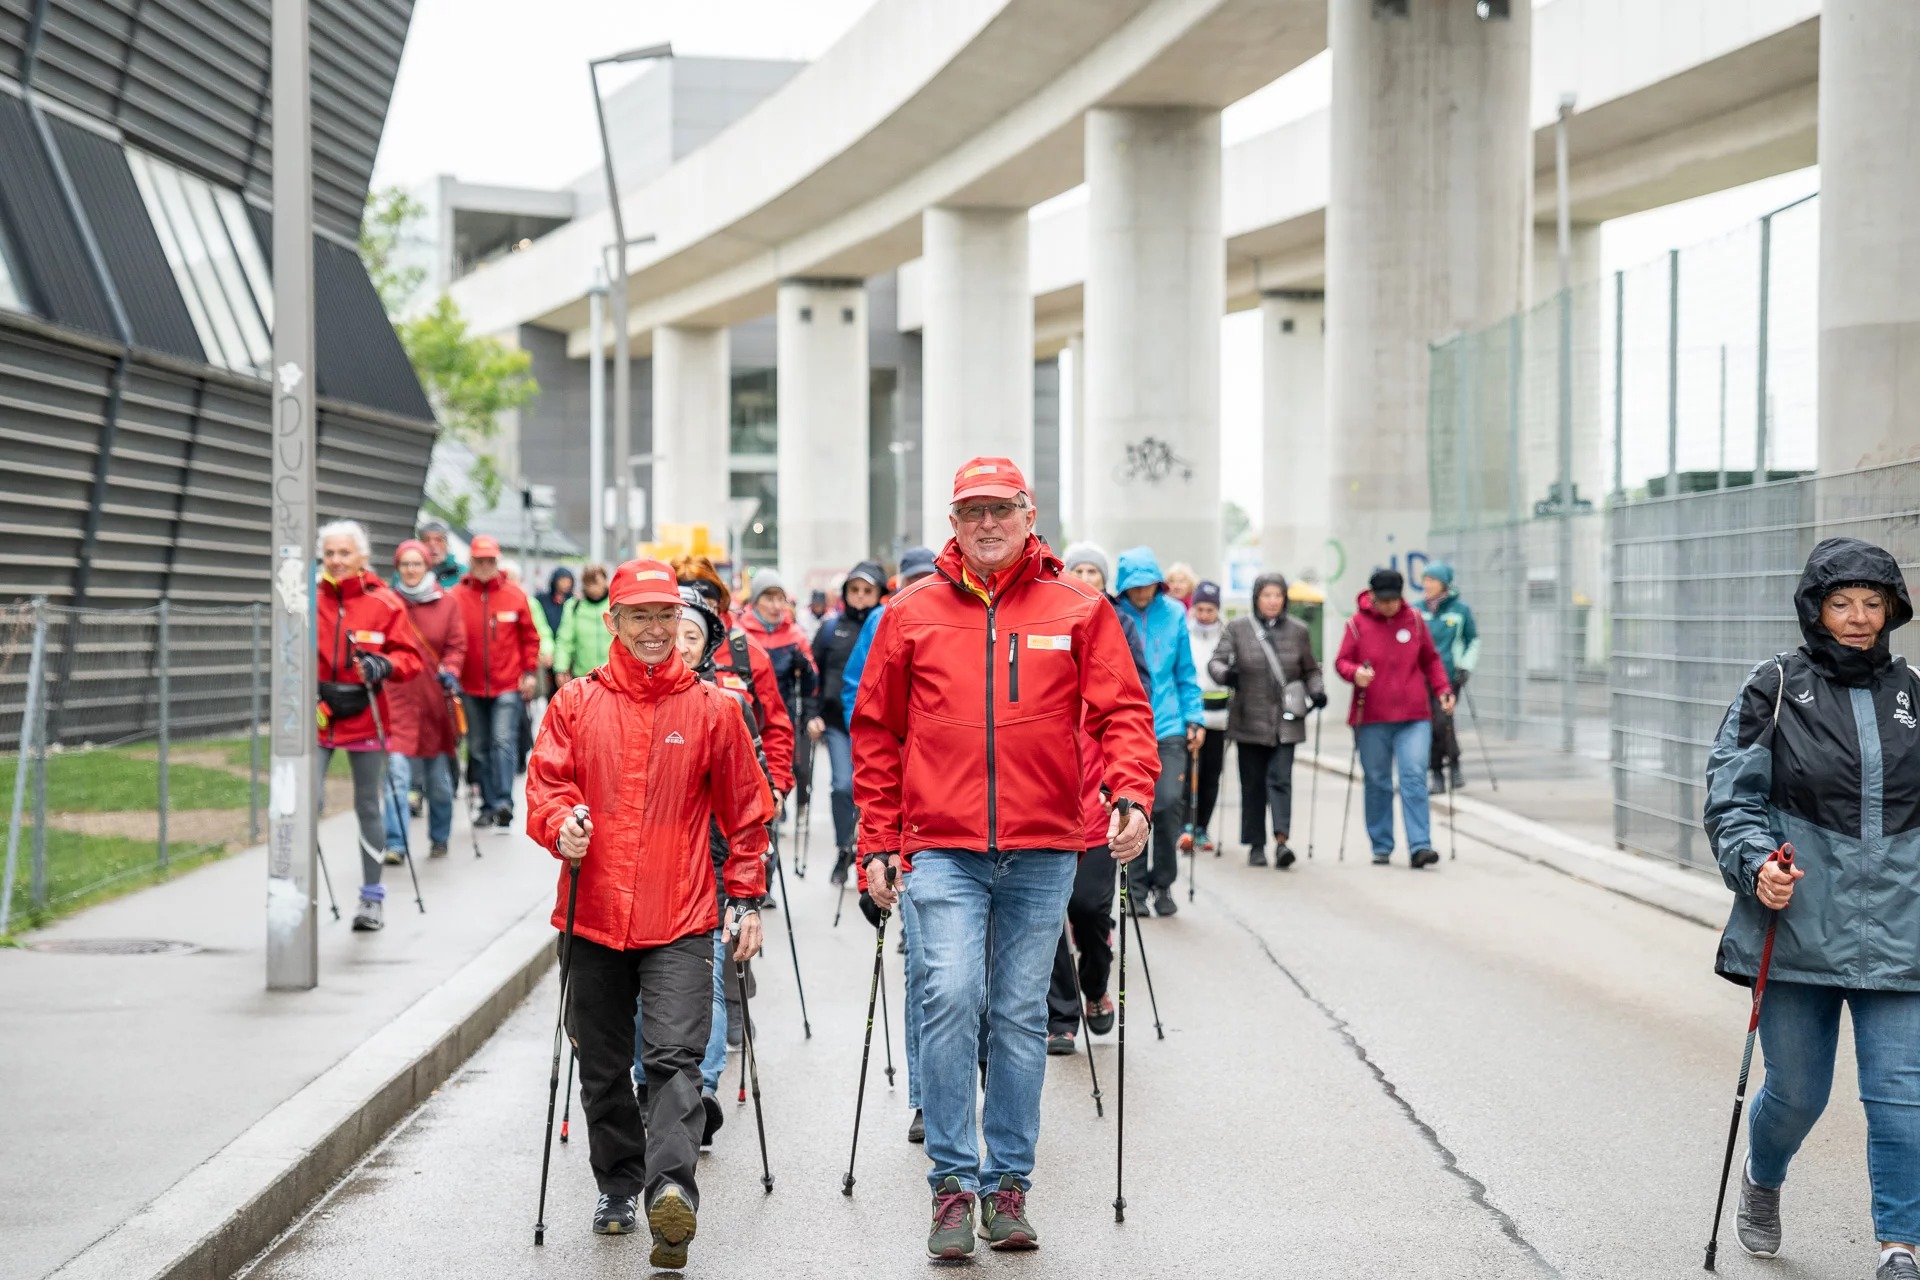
(742, 666)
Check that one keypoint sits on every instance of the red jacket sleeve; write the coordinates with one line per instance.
(453, 655)
(1347, 662)
(742, 805)
(400, 648)
(879, 731)
(1118, 715)
(552, 786)
(1430, 664)
(776, 735)
(529, 636)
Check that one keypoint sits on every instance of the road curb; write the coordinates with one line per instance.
(1690, 895)
(225, 1211)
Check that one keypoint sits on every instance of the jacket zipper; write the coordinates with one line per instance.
(1013, 666)
(993, 799)
(486, 636)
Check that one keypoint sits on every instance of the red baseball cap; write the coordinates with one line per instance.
(484, 548)
(988, 478)
(644, 582)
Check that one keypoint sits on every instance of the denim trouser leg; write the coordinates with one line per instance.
(434, 776)
(1375, 742)
(1412, 752)
(916, 992)
(714, 1063)
(958, 897)
(505, 746)
(1400, 746)
(393, 805)
(840, 758)
(480, 747)
(1799, 1030)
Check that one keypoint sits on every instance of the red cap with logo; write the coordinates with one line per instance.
(644, 582)
(988, 478)
(484, 548)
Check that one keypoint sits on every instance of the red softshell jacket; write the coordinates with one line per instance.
(502, 642)
(655, 755)
(966, 733)
(776, 726)
(361, 613)
(1405, 664)
(422, 723)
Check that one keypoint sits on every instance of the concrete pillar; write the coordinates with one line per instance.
(1076, 431)
(691, 381)
(1155, 292)
(977, 349)
(1869, 241)
(1293, 434)
(1429, 231)
(823, 428)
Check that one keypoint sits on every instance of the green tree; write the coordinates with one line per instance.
(469, 379)
(1235, 522)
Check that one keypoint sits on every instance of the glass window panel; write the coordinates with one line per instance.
(233, 211)
(143, 177)
(754, 412)
(226, 270)
(199, 260)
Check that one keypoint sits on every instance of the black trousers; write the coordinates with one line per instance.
(1266, 775)
(631, 1154)
(1169, 820)
(1446, 736)
(1213, 760)
(1090, 920)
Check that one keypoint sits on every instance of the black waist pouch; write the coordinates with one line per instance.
(345, 701)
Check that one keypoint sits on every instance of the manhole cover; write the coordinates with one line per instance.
(114, 947)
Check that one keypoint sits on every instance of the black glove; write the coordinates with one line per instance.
(1319, 701)
(741, 907)
(449, 682)
(374, 669)
(869, 909)
(1460, 681)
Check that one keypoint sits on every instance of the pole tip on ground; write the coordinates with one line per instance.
(1713, 1248)
(766, 1181)
(846, 1185)
(539, 1235)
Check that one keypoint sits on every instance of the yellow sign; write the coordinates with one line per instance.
(678, 540)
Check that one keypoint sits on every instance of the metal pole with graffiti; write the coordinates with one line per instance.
(293, 954)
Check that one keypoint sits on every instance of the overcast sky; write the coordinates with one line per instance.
(497, 91)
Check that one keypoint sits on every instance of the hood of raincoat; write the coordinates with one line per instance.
(1138, 568)
(1260, 584)
(1835, 563)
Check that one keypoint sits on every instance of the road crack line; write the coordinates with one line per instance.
(1476, 1189)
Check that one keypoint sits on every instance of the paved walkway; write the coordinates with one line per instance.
(1488, 1070)
(118, 1074)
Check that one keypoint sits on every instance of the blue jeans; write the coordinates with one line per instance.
(493, 738)
(435, 775)
(846, 818)
(916, 992)
(1799, 1029)
(714, 1061)
(1406, 744)
(1017, 900)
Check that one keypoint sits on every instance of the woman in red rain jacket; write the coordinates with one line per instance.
(364, 643)
(424, 737)
(655, 755)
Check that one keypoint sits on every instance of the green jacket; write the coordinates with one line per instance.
(581, 643)
(1454, 634)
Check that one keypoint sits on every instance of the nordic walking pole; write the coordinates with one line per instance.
(566, 1108)
(1485, 757)
(803, 818)
(1147, 970)
(1783, 857)
(327, 877)
(1187, 841)
(1313, 787)
(1125, 808)
(559, 1025)
(1353, 758)
(1453, 847)
(750, 1066)
(780, 870)
(866, 1049)
(393, 793)
(886, 1027)
(840, 902)
(1099, 1107)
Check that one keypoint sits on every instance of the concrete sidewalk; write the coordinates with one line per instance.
(124, 1073)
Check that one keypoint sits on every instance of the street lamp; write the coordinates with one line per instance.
(622, 341)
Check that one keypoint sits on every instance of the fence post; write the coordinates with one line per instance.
(1673, 372)
(1619, 385)
(1516, 529)
(40, 783)
(28, 719)
(164, 659)
(1760, 397)
(253, 732)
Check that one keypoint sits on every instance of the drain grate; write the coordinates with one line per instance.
(114, 947)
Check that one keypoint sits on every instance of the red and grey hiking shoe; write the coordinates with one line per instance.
(1100, 1016)
(952, 1236)
(1003, 1217)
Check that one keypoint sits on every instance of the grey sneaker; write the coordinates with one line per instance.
(1899, 1266)
(438, 849)
(613, 1215)
(371, 917)
(670, 1219)
(952, 1236)
(1003, 1217)
(1758, 1224)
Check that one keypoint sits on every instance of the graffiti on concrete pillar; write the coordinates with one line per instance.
(1154, 461)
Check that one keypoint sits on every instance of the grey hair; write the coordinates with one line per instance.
(344, 529)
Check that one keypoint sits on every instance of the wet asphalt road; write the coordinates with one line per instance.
(1485, 1070)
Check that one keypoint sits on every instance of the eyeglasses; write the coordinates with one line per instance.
(975, 512)
(659, 616)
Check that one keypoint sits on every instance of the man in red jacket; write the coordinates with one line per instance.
(1387, 655)
(503, 653)
(967, 774)
(655, 755)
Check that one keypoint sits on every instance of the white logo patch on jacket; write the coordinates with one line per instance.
(1064, 643)
(676, 739)
(1903, 712)
(1403, 635)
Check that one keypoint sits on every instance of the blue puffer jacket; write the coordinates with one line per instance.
(1175, 689)
(1822, 750)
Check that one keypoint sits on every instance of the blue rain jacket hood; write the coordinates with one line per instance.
(1821, 749)
(1175, 685)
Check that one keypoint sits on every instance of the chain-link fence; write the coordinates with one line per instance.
(1702, 591)
(133, 745)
